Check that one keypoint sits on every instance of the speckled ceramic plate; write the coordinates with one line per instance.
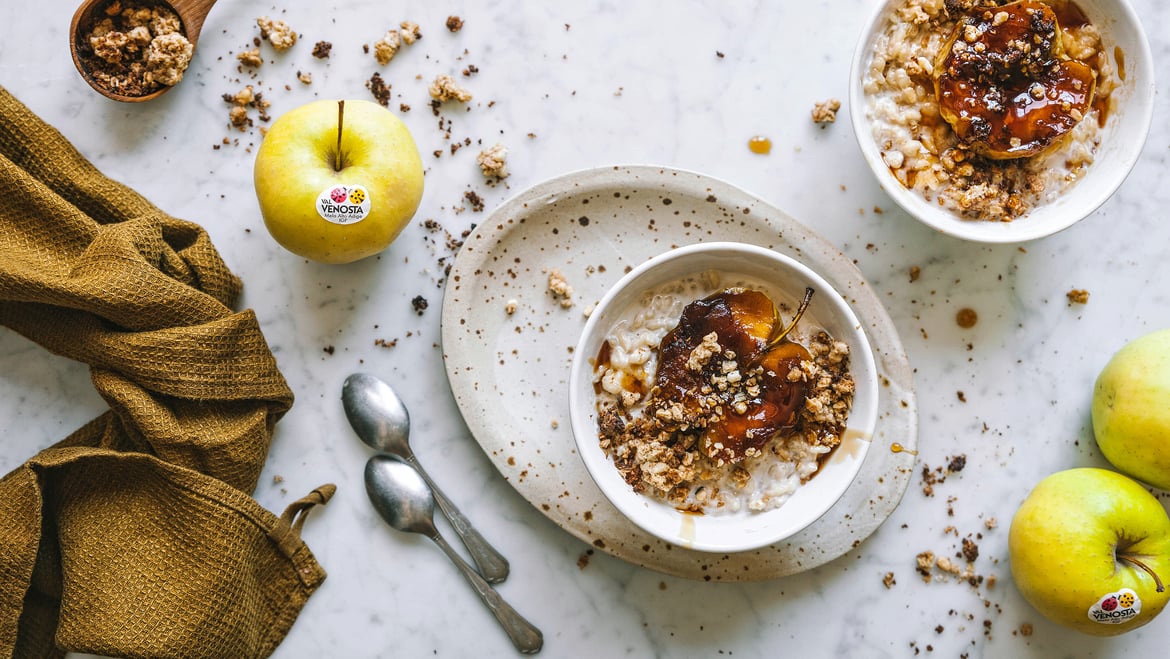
(508, 342)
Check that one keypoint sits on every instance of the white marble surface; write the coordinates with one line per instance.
(598, 83)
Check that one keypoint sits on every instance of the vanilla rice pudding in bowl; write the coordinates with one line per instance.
(1001, 121)
(723, 396)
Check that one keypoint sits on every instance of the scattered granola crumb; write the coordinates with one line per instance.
(888, 580)
(384, 343)
(925, 561)
(238, 116)
(386, 47)
(990, 523)
(305, 77)
(410, 32)
(510, 306)
(277, 479)
(957, 463)
(454, 23)
(444, 88)
(1026, 629)
(915, 273)
(475, 200)
(329, 350)
(966, 318)
(419, 304)
(321, 49)
(826, 113)
(251, 58)
(555, 424)
(583, 559)
(277, 32)
(379, 89)
(493, 161)
(560, 288)
(1078, 296)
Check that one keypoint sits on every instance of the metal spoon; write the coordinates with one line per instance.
(191, 13)
(403, 499)
(380, 419)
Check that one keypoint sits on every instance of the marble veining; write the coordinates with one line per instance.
(568, 87)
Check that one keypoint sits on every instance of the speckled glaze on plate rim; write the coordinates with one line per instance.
(509, 373)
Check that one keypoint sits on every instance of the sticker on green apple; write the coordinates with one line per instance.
(1116, 608)
(344, 204)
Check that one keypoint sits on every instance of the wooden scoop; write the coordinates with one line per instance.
(191, 13)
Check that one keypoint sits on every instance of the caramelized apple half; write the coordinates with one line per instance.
(1005, 84)
(741, 385)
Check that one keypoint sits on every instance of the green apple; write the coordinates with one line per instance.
(1131, 409)
(1089, 549)
(337, 181)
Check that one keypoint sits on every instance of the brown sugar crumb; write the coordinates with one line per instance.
(454, 23)
(379, 89)
(561, 291)
(444, 88)
(915, 273)
(251, 58)
(305, 77)
(966, 318)
(493, 161)
(888, 580)
(475, 200)
(419, 304)
(410, 32)
(135, 50)
(277, 32)
(321, 49)
(386, 47)
(970, 550)
(1078, 296)
(826, 112)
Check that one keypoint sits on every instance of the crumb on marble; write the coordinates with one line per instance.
(826, 112)
(410, 32)
(251, 58)
(444, 88)
(1078, 296)
(454, 23)
(277, 32)
(561, 291)
(493, 161)
(387, 47)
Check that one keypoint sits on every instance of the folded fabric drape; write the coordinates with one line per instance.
(135, 536)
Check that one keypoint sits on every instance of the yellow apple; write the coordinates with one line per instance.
(337, 181)
(1131, 409)
(1089, 549)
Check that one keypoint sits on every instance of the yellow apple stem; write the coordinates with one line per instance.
(1134, 561)
(808, 293)
(340, 123)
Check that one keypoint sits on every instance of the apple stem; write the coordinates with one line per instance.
(1134, 561)
(808, 293)
(340, 123)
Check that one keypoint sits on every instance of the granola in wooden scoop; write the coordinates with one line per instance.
(1005, 84)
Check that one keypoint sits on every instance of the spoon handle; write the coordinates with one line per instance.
(492, 565)
(526, 637)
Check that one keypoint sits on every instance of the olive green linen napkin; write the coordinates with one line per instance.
(135, 535)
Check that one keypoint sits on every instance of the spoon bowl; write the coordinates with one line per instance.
(191, 13)
(402, 498)
(380, 419)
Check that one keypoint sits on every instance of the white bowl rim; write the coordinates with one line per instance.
(627, 501)
(991, 232)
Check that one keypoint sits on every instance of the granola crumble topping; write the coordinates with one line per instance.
(277, 32)
(135, 50)
(444, 88)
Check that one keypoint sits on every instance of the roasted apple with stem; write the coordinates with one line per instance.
(1005, 84)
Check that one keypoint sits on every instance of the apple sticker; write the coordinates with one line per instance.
(1116, 608)
(344, 204)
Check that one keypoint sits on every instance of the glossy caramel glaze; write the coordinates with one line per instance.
(744, 321)
(1005, 85)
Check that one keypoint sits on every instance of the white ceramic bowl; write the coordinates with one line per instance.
(740, 531)
(1122, 139)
